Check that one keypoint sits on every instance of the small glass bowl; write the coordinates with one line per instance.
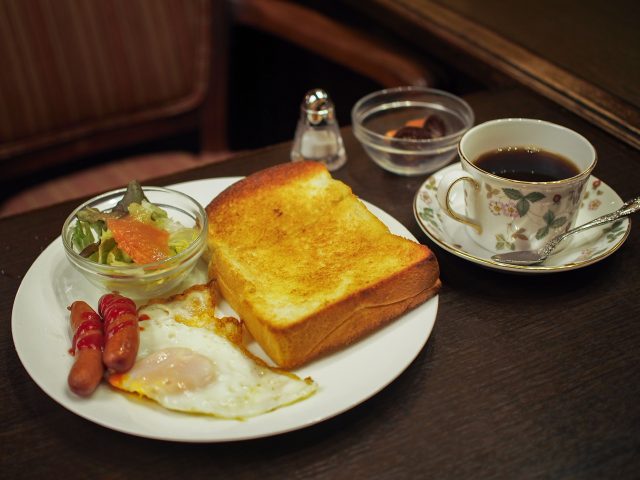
(152, 279)
(386, 110)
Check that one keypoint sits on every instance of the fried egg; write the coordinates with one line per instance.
(191, 361)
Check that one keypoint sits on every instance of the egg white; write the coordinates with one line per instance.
(190, 361)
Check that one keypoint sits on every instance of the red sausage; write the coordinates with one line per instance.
(88, 340)
(121, 331)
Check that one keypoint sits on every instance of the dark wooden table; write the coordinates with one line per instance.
(522, 377)
(582, 55)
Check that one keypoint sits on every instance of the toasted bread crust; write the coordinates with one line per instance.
(363, 322)
(354, 275)
(267, 179)
(337, 326)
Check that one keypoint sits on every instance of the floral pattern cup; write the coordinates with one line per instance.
(503, 214)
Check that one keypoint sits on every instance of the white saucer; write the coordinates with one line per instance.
(584, 249)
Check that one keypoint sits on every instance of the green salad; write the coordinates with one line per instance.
(135, 231)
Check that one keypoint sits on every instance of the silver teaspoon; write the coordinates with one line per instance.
(532, 257)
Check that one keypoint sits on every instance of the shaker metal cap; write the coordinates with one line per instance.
(318, 107)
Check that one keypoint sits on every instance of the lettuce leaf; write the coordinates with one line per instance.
(180, 239)
(109, 253)
(147, 212)
(134, 194)
(86, 236)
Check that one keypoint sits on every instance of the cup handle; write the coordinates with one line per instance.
(445, 186)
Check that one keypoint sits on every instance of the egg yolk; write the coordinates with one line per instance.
(171, 371)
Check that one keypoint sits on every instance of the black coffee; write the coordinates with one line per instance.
(526, 164)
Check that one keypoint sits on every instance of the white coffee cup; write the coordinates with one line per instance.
(503, 214)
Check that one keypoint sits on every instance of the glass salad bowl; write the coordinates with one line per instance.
(123, 259)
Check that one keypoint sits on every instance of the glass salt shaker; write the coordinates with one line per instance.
(317, 134)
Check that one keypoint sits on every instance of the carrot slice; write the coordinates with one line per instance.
(144, 243)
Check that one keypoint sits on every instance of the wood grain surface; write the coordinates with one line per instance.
(522, 377)
(582, 55)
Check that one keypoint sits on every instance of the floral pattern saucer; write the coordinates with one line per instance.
(583, 249)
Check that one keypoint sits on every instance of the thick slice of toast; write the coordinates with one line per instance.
(307, 266)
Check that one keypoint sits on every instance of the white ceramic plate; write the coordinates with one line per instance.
(42, 339)
(584, 249)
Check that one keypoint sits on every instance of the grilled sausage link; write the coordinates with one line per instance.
(121, 331)
(88, 341)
